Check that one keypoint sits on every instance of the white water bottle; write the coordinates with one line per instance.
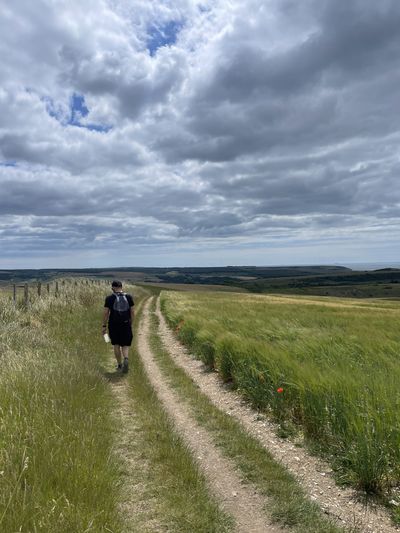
(106, 337)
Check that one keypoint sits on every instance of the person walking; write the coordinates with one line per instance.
(118, 315)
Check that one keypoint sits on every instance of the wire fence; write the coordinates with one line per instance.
(24, 292)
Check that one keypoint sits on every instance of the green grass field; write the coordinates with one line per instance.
(337, 362)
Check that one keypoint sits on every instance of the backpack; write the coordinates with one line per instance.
(121, 308)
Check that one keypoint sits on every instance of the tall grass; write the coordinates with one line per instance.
(57, 472)
(338, 366)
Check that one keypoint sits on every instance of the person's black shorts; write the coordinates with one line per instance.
(120, 334)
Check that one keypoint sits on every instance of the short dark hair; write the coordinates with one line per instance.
(116, 283)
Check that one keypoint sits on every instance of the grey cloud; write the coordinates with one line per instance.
(314, 93)
(77, 151)
(65, 197)
(82, 233)
(350, 37)
(36, 198)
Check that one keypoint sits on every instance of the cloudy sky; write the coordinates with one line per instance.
(199, 132)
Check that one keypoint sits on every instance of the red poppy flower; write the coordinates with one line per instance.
(179, 326)
(279, 390)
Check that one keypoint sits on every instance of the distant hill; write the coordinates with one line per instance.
(322, 280)
(175, 274)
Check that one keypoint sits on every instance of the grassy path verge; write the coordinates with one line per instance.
(290, 506)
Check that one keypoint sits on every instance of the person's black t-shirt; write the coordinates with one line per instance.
(114, 319)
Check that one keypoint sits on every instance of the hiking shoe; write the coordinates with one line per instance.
(125, 365)
(119, 368)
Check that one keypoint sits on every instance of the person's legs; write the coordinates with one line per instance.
(125, 352)
(117, 353)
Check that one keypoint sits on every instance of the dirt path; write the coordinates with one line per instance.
(239, 500)
(313, 474)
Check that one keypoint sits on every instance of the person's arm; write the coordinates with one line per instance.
(132, 309)
(106, 314)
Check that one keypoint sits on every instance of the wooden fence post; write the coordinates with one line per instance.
(39, 289)
(14, 294)
(48, 288)
(56, 288)
(26, 295)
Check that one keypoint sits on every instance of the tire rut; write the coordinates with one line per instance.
(341, 504)
(241, 501)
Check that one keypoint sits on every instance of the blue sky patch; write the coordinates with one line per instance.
(78, 109)
(164, 35)
(8, 163)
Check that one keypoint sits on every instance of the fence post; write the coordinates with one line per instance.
(26, 295)
(48, 288)
(39, 289)
(56, 288)
(14, 294)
